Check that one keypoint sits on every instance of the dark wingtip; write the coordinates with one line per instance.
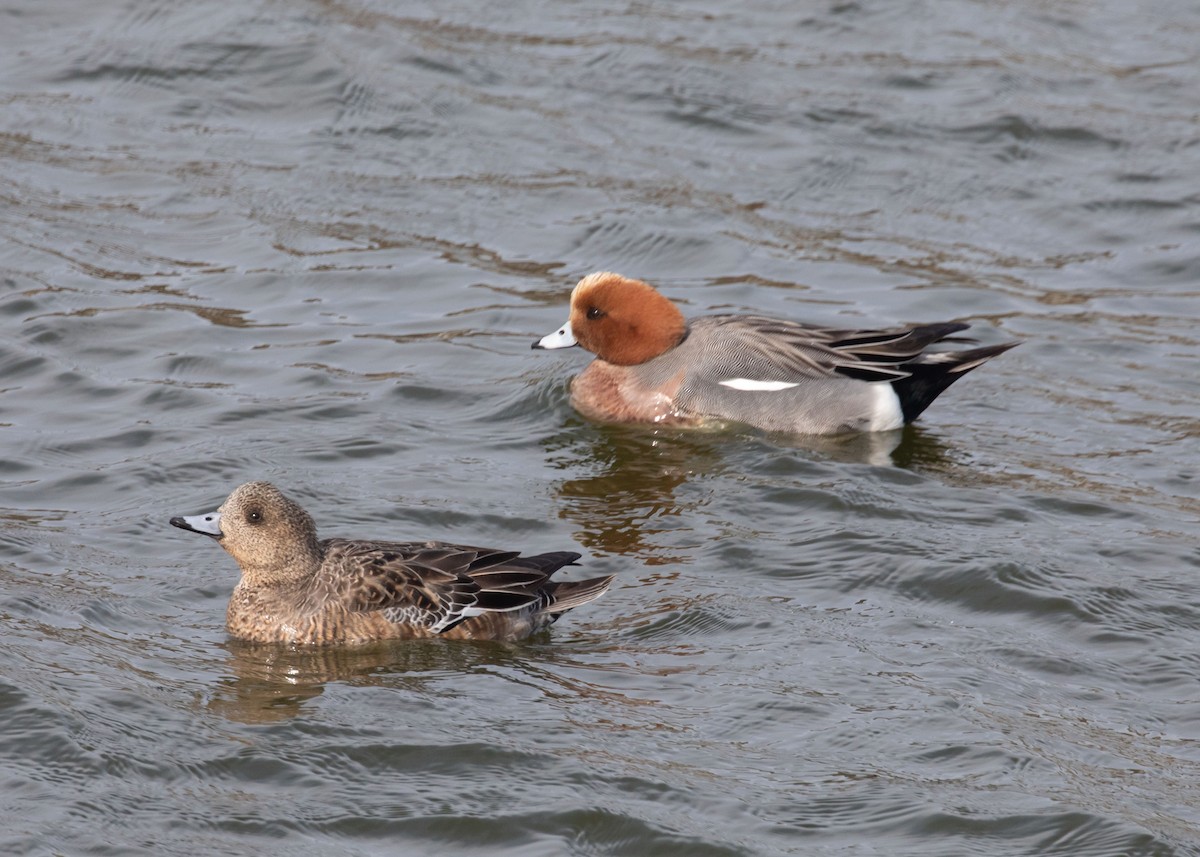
(930, 375)
(570, 594)
(973, 358)
(548, 563)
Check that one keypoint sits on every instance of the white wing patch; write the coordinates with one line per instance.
(750, 385)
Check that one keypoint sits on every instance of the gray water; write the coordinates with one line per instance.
(312, 242)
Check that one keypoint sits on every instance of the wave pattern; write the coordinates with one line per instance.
(313, 243)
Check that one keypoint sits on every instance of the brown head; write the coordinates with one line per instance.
(624, 321)
(621, 321)
(273, 540)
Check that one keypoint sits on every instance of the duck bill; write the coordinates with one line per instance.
(205, 525)
(561, 338)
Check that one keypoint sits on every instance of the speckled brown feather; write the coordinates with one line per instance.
(300, 590)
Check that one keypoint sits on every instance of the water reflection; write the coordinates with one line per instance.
(269, 683)
(633, 491)
(918, 449)
(877, 448)
(221, 316)
(629, 497)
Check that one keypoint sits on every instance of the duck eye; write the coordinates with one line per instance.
(254, 516)
(594, 313)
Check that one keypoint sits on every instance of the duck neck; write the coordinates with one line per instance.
(287, 573)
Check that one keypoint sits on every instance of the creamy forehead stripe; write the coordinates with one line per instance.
(750, 384)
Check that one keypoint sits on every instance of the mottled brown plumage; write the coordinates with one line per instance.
(298, 589)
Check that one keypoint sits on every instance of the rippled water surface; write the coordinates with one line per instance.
(312, 242)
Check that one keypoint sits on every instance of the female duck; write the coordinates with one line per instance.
(296, 589)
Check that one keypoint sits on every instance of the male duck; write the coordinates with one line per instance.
(296, 589)
(653, 366)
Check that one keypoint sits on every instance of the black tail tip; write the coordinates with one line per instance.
(931, 374)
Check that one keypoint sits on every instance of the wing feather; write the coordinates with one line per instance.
(793, 351)
(435, 585)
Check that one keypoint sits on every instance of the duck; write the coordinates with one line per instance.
(296, 588)
(654, 366)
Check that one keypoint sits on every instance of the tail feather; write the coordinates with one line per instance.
(896, 346)
(930, 374)
(545, 562)
(889, 355)
(570, 594)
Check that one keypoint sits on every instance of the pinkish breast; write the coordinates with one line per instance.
(611, 393)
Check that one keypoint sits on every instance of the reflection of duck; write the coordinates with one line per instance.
(630, 495)
(919, 449)
(268, 682)
(876, 447)
(297, 589)
(271, 682)
(654, 366)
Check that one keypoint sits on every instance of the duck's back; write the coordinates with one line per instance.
(776, 375)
